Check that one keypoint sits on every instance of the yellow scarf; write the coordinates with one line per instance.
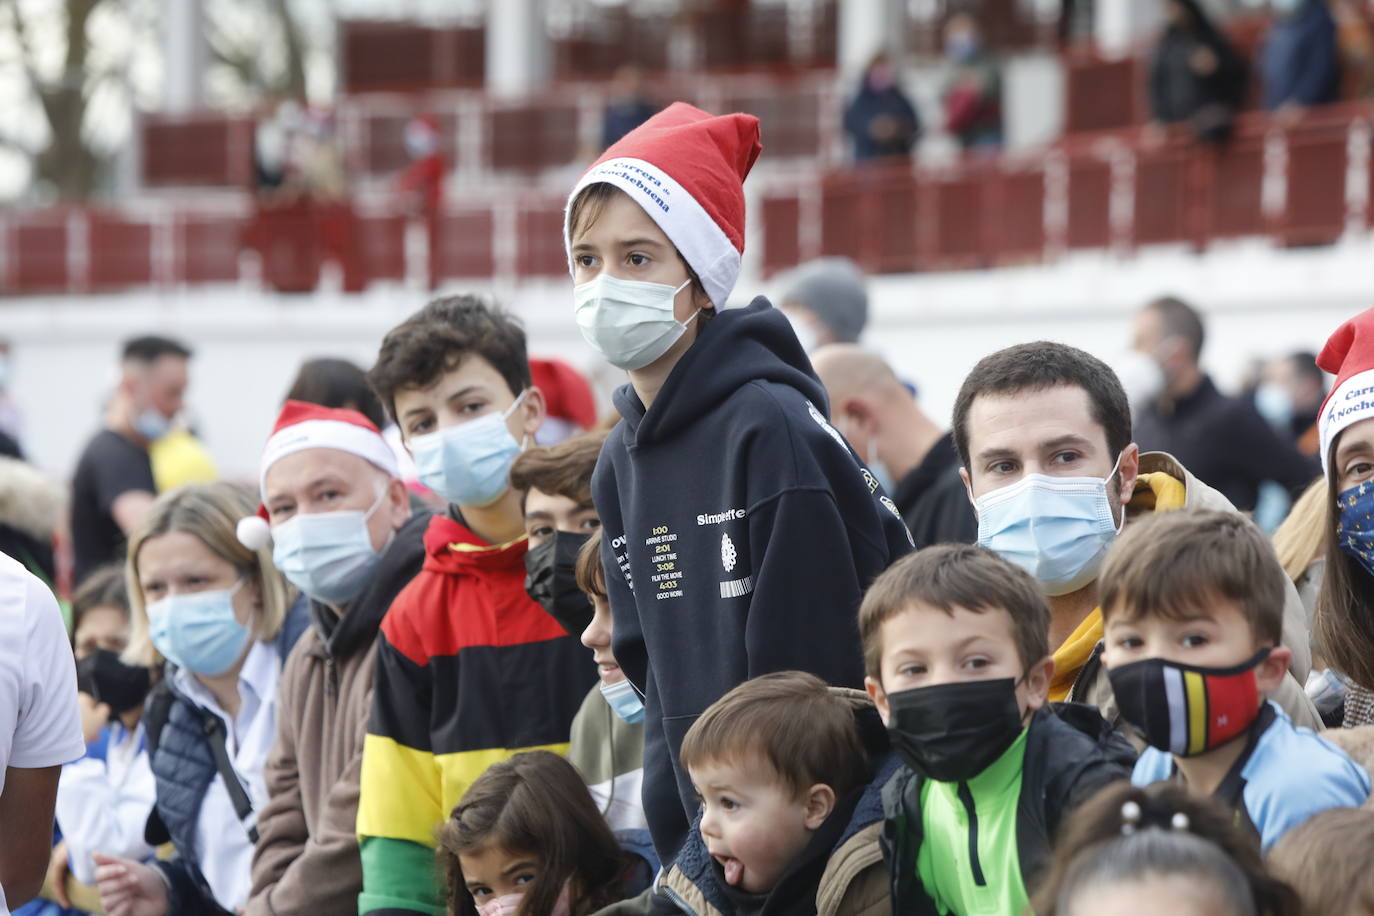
(1154, 492)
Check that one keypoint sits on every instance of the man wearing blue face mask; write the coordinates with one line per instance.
(113, 485)
(470, 669)
(1044, 434)
(343, 533)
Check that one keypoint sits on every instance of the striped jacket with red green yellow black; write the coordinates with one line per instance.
(470, 671)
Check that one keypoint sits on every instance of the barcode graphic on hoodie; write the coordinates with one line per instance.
(737, 588)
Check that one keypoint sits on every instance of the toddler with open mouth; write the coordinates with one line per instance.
(781, 765)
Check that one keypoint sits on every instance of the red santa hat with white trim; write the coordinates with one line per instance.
(301, 426)
(1348, 355)
(686, 168)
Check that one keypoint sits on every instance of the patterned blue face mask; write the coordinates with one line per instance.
(469, 464)
(1057, 529)
(1355, 527)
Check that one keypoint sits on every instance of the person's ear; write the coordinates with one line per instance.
(879, 695)
(1038, 679)
(532, 411)
(398, 502)
(1269, 673)
(859, 416)
(1129, 469)
(820, 801)
(968, 489)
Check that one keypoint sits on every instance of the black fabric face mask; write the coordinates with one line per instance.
(551, 580)
(953, 732)
(108, 680)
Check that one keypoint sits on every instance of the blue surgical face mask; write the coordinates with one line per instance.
(327, 555)
(199, 631)
(624, 701)
(880, 470)
(629, 322)
(1057, 529)
(151, 424)
(1275, 405)
(469, 464)
(1354, 528)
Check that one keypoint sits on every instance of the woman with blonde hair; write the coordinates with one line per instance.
(223, 620)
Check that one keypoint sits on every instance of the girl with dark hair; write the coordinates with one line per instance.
(1344, 621)
(1195, 75)
(527, 839)
(1164, 849)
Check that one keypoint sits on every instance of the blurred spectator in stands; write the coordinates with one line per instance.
(973, 98)
(113, 486)
(11, 420)
(1223, 440)
(1289, 395)
(1195, 75)
(1299, 61)
(421, 184)
(30, 509)
(1355, 39)
(568, 398)
(909, 454)
(628, 107)
(423, 180)
(316, 162)
(880, 120)
(272, 143)
(826, 303)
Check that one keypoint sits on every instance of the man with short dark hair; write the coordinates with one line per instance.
(1223, 440)
(1044, 433)
(113, 485)
(470, 669)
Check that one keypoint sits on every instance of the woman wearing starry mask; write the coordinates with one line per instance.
(1344, 621)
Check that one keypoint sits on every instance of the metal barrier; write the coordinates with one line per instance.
(1112, 190)
(1118, 190)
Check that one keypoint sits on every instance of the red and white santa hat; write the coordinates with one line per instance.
(1348, 355)
(301, 426)
(686, 168)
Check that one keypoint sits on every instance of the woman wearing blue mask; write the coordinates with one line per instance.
(222, 618)
(1344, 621)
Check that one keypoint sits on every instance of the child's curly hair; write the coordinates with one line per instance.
(1125, 833)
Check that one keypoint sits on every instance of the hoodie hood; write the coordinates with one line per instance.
(736, 347)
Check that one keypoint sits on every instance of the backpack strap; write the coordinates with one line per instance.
(238, 796)
(156, 710)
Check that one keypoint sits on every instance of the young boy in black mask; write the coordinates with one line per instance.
(556, 481)
(564, 574)
(956, 649)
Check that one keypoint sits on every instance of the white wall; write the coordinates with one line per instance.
(934, 327)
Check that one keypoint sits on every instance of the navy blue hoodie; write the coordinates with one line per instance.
(749, 530)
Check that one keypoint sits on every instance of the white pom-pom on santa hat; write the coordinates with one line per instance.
(253, 532)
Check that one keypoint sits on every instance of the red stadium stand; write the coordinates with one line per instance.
(400, 56)
(121, 252)
(206, 149)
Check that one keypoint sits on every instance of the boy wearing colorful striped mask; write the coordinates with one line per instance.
(1192, 608)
